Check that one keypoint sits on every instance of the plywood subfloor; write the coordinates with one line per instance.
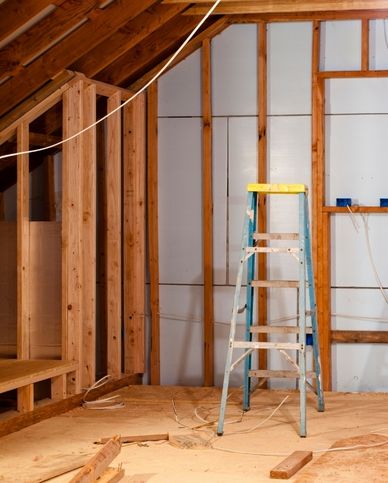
(27, 454)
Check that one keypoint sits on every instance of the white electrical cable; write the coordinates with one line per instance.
(100, 404)
(153, 79)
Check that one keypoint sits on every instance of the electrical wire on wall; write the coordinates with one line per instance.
(136, 94)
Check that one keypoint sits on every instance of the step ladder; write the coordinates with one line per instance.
(305, 335)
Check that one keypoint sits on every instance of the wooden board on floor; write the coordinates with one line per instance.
(334, 466)
(291, 465)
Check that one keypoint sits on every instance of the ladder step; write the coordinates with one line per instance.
(242, 344)
(276, 329)
(275, 283)
(280, 374)
(276, 236)
(272, 250)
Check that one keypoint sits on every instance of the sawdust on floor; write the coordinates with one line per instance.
(149, 410)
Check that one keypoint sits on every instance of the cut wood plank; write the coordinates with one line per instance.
(153, 231)
(26, 398)
(276, 283)
(365, 44)
(207, 209)
(359, 336)
(291, 465)
(98, 463)
(58, 387)
(138, 438)
(279, 374)
(276, 236)
(134, 235)
(49, 470)
(113, 242)
(268, 329)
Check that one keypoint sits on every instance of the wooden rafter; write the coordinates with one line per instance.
(126, 38)
(64, 53)
(152, 50)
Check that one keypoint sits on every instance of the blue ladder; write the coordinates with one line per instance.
(305, 335)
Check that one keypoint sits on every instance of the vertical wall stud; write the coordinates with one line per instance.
(207, 183)
(134, 235)
(365, 44)
(113, 251)
(153, 228)
(72, 230)
(88, 370)
(262, 178)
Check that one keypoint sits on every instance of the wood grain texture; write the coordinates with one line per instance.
(134, 235)
(72, 227)
(113, 241)
(291, 465)
(89, 222)
(23, 248)
(365, 44)
(359, 336)
(207, 217)
(25, 398)
(153, 228)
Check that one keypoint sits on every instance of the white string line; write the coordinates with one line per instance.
(153, 79)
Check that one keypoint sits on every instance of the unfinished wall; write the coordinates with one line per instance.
(356, 148)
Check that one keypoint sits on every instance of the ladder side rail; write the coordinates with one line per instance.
(249, 298)
(313, 310)
(236, 301)
(302, 313)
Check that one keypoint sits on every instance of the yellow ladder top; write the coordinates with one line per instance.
(277, 189)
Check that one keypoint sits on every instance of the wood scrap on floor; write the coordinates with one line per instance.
(368, 461)
(111, 475)
(140, 438)
(99, 463)
(189, 441)
(291, 465)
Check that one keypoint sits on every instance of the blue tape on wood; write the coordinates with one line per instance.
(344, 202)
(384, 202)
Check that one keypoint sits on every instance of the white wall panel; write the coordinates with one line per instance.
(180, 201)
(234, 72)
(357, 96)
(341, 45)
(242, 170)
(350, 262)
(181, 340)
(378, 44)
(356, 166)
(220, 200)
(289, 68)
(180, 88)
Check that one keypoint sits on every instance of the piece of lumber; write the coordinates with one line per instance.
(359, 336)
(355, 209)
(89, 230)
(291, 465)
(98, 463)
(140, 438)
(207, 209)
(23, 243)
(58, 387)
(113, 241)
(262, 225)
(134, 235)
(98, 28)
(25, 396)
(153, 228)
(19, 422)
(307, 16)
(49, 191)
(72, 173)
(365, 44)
(111, 475)
(47, 473)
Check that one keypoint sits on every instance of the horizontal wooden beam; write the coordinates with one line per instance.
(355, 209)
(360, 336)
(307, 16)
(272, 6)
(352, 74)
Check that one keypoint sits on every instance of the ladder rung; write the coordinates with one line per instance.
(275, 283)
(280, 374)
(276, 329)
(272, 250)
(276, 236)
(266, 345)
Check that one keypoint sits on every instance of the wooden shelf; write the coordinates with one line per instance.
(16, 373)
(355, 209)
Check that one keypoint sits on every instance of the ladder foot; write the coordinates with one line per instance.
(220, 434)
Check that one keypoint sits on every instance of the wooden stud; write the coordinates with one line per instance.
(207, 207)
(58, 387)
(26, 398)
(360, 336)
(262, 93)
(49, 191)
(72, 312)
(291, 465)
(153, 228)
(23, 241)
(134, 235)
(113, 241)
(355, 209)
(2, 207)
(365, 44)
(307, 16)
(89, 187)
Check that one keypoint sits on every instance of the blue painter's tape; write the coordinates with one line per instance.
(383, 202)
(344, 202)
